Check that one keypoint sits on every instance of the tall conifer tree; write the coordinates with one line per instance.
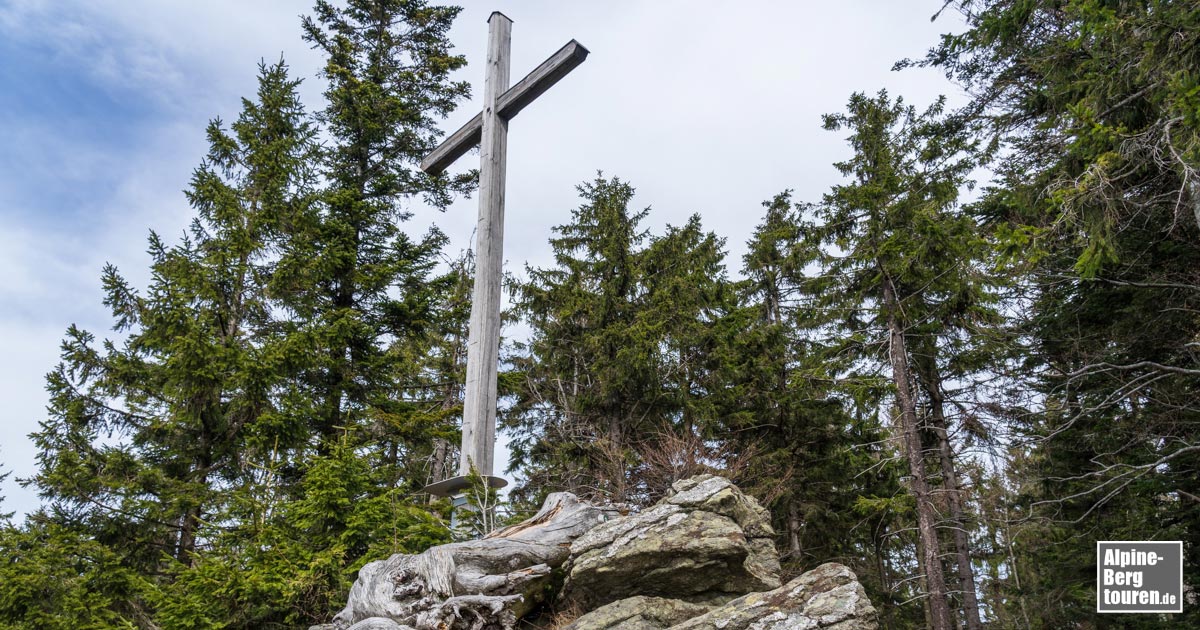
(353, 280)
(276, 371)
(1096, 205)
(620, 361)
(893, 261)
(589, 378)
(144, 435)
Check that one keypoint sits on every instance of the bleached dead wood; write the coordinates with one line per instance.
(484, 584)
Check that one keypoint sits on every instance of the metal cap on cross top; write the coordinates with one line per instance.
(489, 130)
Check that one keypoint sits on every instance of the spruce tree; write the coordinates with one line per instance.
(358, 297)
(443, 373)
(1095, 207)
(353, 281)
(796, 403)
(893, 262)
(620, 367)
(590, 379)
(145, 435)
(269, 413)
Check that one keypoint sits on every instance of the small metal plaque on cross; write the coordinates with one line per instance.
(489, 129)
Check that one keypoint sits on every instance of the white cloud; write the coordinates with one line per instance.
(179, 54)
(52, 280)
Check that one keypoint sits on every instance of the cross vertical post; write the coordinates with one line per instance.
(483, 345)
(489, 130)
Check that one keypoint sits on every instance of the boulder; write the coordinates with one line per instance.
(827, 597)
(639, 613)
(705, 540)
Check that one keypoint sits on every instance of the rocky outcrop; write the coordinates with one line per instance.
(828, 597)
(639, 613)
(700, 559)
(706, 540)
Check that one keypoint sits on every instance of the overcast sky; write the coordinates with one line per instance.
(705, 107)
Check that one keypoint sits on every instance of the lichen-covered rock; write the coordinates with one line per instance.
(719, 496)
(705, 539)
(639, 613)
(829, 597)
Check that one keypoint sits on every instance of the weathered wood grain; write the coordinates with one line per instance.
(483, 341)
(542, 78)
(497, 579)
(453, 147)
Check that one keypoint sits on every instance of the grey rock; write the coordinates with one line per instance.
(719, 496)
(705, 539)
(828, 597)
(639, 613)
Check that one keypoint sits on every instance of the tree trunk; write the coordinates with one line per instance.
(793, 530)
(885, 584)
(189, 522)
(1012, 565)
(188, 526)
(926, 522)
(923, 582)
(437, 471)
(958, 522)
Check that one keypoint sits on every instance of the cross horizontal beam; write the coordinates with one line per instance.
(508, 105)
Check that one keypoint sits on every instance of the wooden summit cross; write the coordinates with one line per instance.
(489, 129)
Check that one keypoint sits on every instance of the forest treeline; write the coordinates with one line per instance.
(954, 390)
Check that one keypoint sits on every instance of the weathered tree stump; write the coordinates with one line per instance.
(484, 584)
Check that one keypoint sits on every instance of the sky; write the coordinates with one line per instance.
(705, 107)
